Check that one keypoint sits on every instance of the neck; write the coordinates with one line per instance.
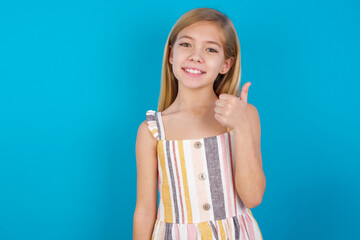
(195, 101)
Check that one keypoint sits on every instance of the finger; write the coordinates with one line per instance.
(244, 92)
(217, 117)
(220, 103)
(219, 110)
(225, 96)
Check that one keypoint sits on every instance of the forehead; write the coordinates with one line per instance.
(202, 31)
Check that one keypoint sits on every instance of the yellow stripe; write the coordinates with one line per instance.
(256, 223)
(222, 231)
(185, 182)
(205, 230)
(165, 189)
(154, 131)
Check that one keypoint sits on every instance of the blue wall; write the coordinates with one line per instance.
(76, 79)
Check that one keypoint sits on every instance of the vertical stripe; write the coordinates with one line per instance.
(165, 188)
(214, 230)
(205, 230)
(222, 231)
(176, 230)
(154, 117)
(226, 175)
(249, 226)
(168, 233)
(191, 232)
(237, 228)
(232, 171)
(232, 187)
(243, 226)
(172, 180)
(185, 182)
(181, 183)
(161, 232)
(206, 184)
(178, 182)
(230, 228)
(201, 192)
(212, 158)
(160, 126)
(189, 163)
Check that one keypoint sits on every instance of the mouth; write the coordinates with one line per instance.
(193, 73)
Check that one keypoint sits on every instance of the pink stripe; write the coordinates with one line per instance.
(232, 172)
(191, 232)
(177, 237)
(200, 189)
(242, 223)
(179, 185)
(250, 227)
(217, 229)
(227, 176)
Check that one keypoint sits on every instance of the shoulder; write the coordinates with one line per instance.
(143, 129)
(144, 138)
(146, 129)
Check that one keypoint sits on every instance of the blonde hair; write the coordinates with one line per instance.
(225, 83)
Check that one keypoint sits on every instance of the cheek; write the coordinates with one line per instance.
(215, 66)
(180, 55)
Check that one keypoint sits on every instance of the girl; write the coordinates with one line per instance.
(208, 177)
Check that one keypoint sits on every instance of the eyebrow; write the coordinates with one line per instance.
(213, 42)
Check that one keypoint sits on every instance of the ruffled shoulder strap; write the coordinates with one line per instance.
(155, 125)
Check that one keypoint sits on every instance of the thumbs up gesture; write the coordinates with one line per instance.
(231, 111)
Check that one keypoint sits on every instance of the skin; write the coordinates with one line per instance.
(197, 113)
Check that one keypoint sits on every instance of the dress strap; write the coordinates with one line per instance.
(160, 121)
(155, 125)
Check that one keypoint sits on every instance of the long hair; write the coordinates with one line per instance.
(225, 83)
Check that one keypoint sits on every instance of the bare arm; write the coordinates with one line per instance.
(250, 177)
(146, 199)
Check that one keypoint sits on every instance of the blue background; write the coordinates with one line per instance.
(78, 77)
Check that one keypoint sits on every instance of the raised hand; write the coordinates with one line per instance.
(231, 111)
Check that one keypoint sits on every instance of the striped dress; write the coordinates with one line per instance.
(198, 199)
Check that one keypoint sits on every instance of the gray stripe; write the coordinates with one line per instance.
(153, 117)
(214, 230)
(168, 235)
(172, 181)
(237, 228)
(216, 189)
(158, 126)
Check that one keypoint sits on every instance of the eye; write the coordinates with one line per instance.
(213, 49)
(181, 44)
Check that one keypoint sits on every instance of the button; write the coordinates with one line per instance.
(206, 206)
(202, 176)
(197, 144)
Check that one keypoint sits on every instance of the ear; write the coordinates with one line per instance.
(171, 55)
(227, 65)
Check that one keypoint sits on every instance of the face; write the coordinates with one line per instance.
(199, 48)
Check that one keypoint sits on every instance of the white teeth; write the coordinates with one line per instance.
(193, 71)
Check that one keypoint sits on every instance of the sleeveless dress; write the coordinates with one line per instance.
(198, 199)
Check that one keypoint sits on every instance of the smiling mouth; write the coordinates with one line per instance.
(195, 74)
(193, 71)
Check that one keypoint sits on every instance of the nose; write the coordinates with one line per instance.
(196, 56)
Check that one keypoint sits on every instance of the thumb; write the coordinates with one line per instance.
(244, 92)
